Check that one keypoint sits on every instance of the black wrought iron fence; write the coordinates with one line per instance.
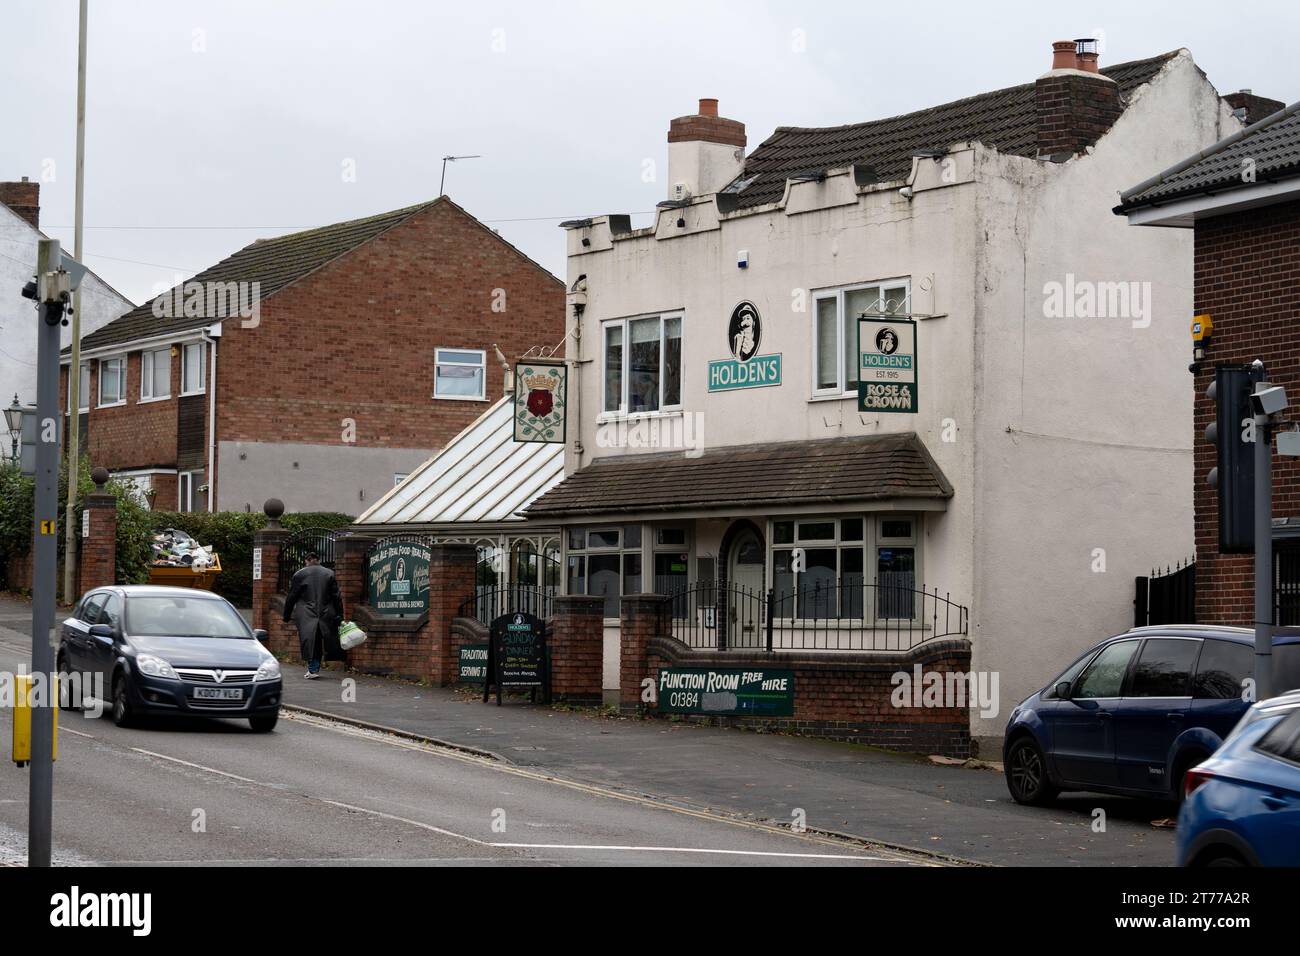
(846, 614)
(293, 556)
(487, 604)
(1168, 598)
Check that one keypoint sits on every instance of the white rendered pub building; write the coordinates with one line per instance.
(1040, 456)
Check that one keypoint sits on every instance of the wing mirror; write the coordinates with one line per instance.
(102, 630)
(1063, 690)
(260, 634)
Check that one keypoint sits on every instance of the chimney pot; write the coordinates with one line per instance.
(1065, 55)
(708, 107)
(24, 198)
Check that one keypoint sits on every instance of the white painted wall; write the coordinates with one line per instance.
(100, 304)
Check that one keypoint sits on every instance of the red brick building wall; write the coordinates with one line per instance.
(1248, 280)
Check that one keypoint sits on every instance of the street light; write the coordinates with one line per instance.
(14, 421)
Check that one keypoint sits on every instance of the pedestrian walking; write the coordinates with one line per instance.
(316, 607)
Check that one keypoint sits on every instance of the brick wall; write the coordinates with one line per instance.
(1074, 111)
(576, 639)
(98, 551)
(355, 340)
(1248, 280)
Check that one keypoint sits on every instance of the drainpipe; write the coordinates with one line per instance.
(212, 335)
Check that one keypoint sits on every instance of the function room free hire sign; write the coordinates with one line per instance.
(887, 365)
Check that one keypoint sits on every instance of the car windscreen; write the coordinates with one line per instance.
(183, 616)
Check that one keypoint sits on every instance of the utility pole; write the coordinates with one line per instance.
(74, 368)
(1264, 410)
(52, 292)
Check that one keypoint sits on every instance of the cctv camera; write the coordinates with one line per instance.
(1269, 401)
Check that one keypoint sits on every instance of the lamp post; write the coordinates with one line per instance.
(14, 422)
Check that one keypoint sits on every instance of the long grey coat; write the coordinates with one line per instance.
(316, 607)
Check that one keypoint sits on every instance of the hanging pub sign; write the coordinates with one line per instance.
(746, 368)
(734, 692)
(517, 656)
(540, 402)
(887, 365)
(398, 581)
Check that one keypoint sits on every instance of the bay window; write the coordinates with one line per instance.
(642, 364)
(835, 330)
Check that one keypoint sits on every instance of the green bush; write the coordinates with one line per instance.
(230, 533)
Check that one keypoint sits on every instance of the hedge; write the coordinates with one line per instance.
(231, 535)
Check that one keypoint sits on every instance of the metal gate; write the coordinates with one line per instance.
(1168, 598)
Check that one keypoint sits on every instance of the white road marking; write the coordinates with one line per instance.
(199, 766)
(688, 849)
(414, 823)
(77, 733)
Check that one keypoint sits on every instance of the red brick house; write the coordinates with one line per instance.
(1241, 198)
(318, 367)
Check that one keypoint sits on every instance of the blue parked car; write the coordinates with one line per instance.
(1242, 806)
(1135, 712)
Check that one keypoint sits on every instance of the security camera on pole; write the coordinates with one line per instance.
(57, 277)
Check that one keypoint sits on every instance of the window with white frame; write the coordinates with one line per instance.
(83, 390)
(112, 381)
(849, 564)
(156, 374)
(189, 491)
(642, 364)
(192, 368)
(460, 373)
(605, 562)
(835, 330)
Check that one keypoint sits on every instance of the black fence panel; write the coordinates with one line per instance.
(1168, 598)
(293, 556)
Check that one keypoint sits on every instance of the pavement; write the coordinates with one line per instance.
(888, 800)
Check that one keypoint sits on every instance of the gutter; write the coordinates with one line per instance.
(1184, 164)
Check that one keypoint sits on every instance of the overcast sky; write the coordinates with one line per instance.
(211, 123)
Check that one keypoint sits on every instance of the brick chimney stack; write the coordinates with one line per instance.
(1076, 103)
(1256, 107)
(23, 198)
(705, 151)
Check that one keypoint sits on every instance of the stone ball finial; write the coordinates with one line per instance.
(100, 477)
(273, 509)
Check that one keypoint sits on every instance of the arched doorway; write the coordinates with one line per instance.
(743, 597)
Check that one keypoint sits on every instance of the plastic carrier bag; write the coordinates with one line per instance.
(350, 635)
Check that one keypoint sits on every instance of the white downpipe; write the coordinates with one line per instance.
(212, 335)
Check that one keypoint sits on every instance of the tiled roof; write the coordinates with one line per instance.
(1272, 145)
(1005, 119)
(273, 263)
(779, 474)
(482, 474)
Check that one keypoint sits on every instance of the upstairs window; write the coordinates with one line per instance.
(156, 374)
(835, 331)
(192, 368)
(460, 373)
(112, 381)
(643, 365)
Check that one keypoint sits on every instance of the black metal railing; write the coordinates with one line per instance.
(1168, 598)
(1286, 583)
(846, 614)
(293, 556)
(489, 603)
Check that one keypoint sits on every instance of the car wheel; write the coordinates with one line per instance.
(122, 715)
(263, 725)
(1026, 772)
(1218, 858)
(65, 687)
(1184, 765)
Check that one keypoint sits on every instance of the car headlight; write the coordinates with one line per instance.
(155, 666)
(270, 670)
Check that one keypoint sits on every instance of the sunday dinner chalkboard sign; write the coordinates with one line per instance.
(517, 656)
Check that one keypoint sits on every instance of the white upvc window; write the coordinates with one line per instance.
(460, 373)
(192, 368)
(642, 364)
(835, 330)
(112, 381)
(83, 390)
(156, 374)
(189, 491)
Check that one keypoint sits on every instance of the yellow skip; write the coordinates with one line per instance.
(23, 721)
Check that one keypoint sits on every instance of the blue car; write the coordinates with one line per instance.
(1242, 806)
(1138, 710)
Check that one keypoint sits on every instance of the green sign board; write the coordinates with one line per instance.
(399, 578)
(540, 411)
(761, 370)
(732, 691)
(887, 365)
(473, 663)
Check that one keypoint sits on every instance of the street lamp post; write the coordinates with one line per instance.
(14, 422)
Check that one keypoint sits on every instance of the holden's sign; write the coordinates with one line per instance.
(746, 368)
(540, 413)
(399, 578)
(886, 365)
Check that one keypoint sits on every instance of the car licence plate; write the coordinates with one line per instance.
(218, 693)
